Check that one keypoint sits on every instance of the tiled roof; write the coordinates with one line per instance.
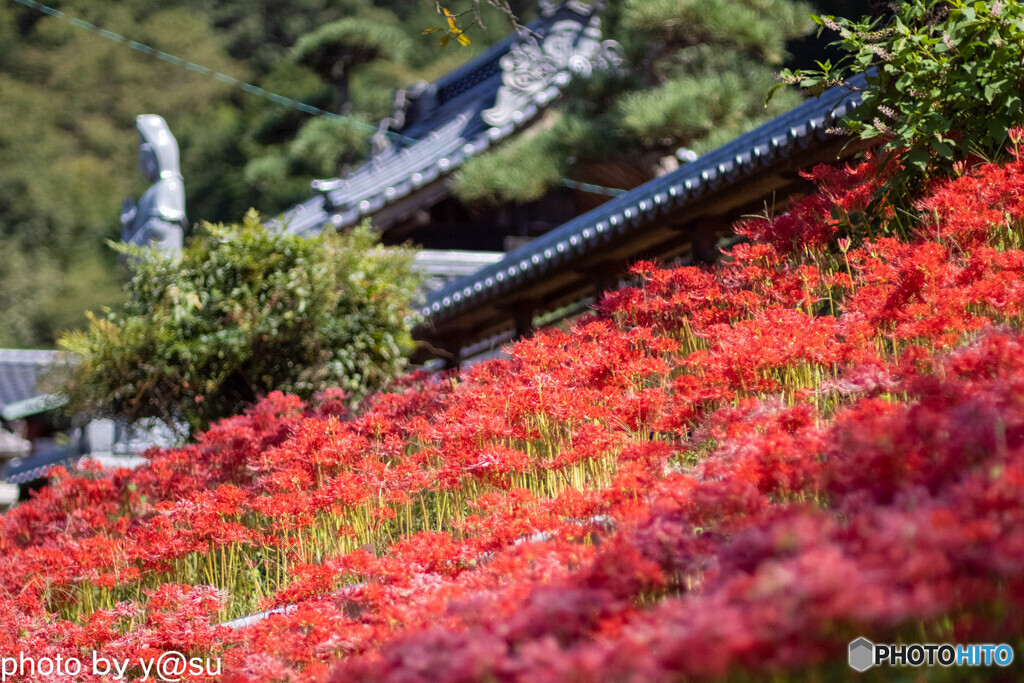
(35, 466)
(103, 441)
(454, 125)
(20, 371)
(762, 147)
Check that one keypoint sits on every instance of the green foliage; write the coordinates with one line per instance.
(524, 170)
(40, 293)
(334, 50)
(261, 32)
(709, 103)
(694, 72)
(470, 14)
(757, 27)
(947, 79)
(241, 312)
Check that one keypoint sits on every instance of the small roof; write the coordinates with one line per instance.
(104, 441)
(36, 466)
(439, 267)
(20, 371)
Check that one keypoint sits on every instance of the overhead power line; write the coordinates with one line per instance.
(211, 73)
(591, 188)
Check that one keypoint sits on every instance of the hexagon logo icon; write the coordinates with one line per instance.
(862, 654)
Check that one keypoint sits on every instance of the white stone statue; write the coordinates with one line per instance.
(158, 220)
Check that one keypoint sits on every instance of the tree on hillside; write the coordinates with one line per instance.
(696, 75)
(241, 312)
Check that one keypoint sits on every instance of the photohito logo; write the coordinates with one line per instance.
(863, 654)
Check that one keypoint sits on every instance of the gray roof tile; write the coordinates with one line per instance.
(20, 371)
(35, 466)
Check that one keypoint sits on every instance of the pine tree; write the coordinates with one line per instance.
(334, 51)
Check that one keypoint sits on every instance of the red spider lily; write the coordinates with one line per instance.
(722, 470)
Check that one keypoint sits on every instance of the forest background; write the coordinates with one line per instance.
(68, 100)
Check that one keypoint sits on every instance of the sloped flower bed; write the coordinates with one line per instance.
(721, 472)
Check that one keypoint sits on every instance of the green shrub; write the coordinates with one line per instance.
(243, 311)
(947, 81)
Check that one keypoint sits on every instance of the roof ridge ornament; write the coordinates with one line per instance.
(570, 47)
(420, 97)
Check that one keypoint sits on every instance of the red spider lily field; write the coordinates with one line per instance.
(721, 472)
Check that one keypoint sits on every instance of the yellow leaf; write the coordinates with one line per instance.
(462, 38)
(451, 20)
(445, 39)
(430, 30)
